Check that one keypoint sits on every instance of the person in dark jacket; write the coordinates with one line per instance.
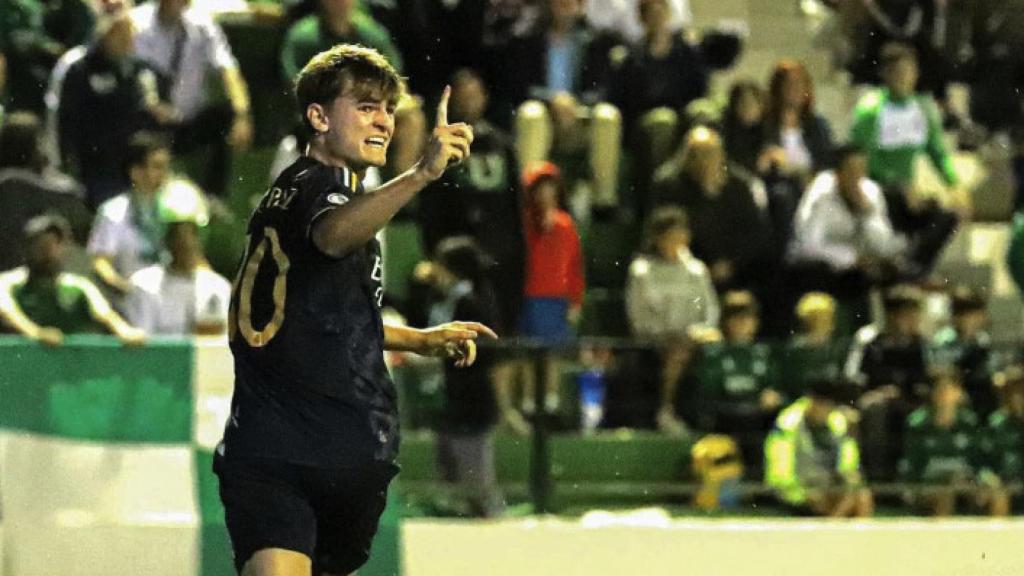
(799, 139)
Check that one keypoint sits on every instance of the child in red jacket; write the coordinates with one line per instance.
(554, 263)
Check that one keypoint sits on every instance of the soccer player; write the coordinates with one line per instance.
(310, 446)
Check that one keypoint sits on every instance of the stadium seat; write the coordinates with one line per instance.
(604, 313)
(608, 248)
(402, 251)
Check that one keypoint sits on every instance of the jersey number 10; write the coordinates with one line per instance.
(240, 316)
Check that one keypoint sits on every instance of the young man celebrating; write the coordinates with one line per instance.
(310, 447)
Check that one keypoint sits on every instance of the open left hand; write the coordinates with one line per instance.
(454, 341)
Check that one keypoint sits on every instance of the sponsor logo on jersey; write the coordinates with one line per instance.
(337, 198)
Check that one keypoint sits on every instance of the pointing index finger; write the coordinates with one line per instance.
(442, 107)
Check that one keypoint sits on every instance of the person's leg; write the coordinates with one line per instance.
(865, 507)
(605, 150)
(675, 358)
(533, 132)
(278, 562)
(474, 454)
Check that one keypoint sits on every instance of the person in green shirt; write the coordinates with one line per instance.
(1004, 438)
(337, 22)
(944, 455)
(812, 460)
(967, 347)
(894, 125)
(43, 303)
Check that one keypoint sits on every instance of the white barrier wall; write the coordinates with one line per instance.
(714, 548)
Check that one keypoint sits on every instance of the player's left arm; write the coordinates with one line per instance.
(452, 340)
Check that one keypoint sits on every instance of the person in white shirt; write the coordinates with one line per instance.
(670, 298)
(842, 225)
(126, 234)
(188, 48)
(183, 297)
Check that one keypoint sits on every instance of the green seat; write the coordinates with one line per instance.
(402, 251)
(608, 248)
(604, 314)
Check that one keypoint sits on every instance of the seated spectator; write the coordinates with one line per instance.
(186, 48)
(943, 455)
(799, 139)
(474, 399)
(336, 22)
(100, 95)
(743, 125)
(812, 460)
(1004, 438)
(29, 52)
(967, 347)
(127, 235)
(28, 188)
(670, 299)
(718, 203)
(737, 380)
(814, 352)
(43, 302)
(622, 17)
(652, 87)
(843, 241)
(184, 297)
(554, 283)
(889, 363)
(561, 70)
(480, 197)
(894, 125)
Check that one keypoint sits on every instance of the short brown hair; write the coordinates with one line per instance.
(662, 220)
(362, 70)
(894, 52)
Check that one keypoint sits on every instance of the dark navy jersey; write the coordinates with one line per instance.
(311, 386)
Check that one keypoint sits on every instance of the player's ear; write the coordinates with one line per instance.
(317, 117)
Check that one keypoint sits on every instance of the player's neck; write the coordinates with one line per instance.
(321, 155)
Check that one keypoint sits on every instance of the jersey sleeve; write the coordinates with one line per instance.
(332, 191)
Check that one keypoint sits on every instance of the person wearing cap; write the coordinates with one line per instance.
(812, 460)
(184, 296)
(553, 294)
(127, 234)
(100, 95)
(43, 302)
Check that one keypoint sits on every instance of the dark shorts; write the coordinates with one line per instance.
(330, 515)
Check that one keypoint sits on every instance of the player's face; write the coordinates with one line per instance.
(359, 130)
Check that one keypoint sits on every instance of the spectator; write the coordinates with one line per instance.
(743, 125)
(28, 188)
(473, 397)
(799, 139)
(337, 22)
(812, 459)
(718, 202)
(186, 47)
(967, 347)
(564, 63)
(481, 197)
(663, 69)
(670, 299)
(737, 380)
(554, 269)
(184, 297)
(43, 302)
(101, 96)
(995, 40)
(888, 362)
(127, 235)
(919, 23)
(943, 454)
(622, 17)
(29, 52)
(814, 351)
(894, 125)
(1004, 438)
(843, 241)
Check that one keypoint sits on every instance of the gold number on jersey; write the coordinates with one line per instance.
(246, 280)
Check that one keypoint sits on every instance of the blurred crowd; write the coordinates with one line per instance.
(781, 279)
